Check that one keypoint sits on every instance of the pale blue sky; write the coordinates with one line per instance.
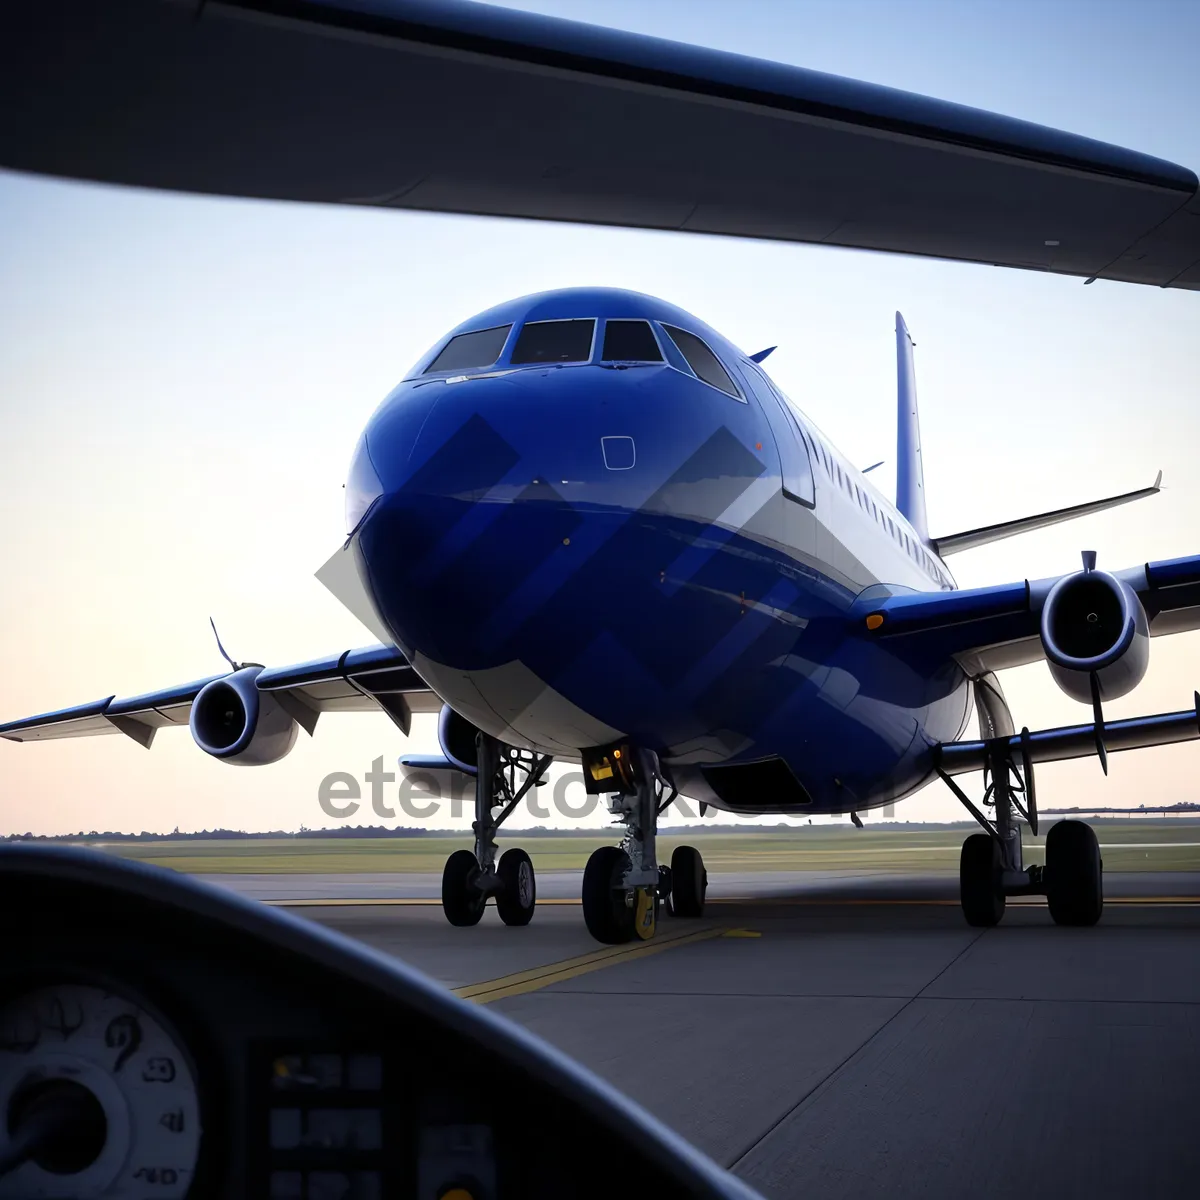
(182, 381)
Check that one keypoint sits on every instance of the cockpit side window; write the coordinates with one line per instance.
(704, 363)
(554, 342)
(480, 348)
(630, 341)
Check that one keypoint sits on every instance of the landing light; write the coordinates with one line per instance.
(610, 769)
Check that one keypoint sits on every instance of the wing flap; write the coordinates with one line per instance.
(82, 720)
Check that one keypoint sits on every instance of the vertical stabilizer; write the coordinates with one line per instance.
(910, 477)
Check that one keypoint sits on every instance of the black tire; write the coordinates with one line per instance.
(664, 888)
(979, 868)
(517, 896)
(605, 913)
(688, 882)
(462, 902)
(1074, 874)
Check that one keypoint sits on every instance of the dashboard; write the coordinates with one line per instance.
(161, 1038)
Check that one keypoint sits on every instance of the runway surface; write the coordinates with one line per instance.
(847, 1035)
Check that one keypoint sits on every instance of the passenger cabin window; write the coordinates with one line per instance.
(702, 360)
(479, 348)
(630, 341)
(554, 342)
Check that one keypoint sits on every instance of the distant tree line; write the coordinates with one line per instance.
(217, 835)
(409, 831)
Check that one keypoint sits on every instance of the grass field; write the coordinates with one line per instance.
(1144, 845)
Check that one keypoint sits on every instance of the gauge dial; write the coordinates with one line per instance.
(127, 1083)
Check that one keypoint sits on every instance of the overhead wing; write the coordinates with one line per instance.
(457, 107)
(955, 542)
(366, 680)
(991, 628)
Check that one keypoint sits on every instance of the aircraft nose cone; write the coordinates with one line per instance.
(456, 524)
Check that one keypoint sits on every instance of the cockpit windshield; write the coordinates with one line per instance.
(630, 341)
(480, 348)
(554, 342)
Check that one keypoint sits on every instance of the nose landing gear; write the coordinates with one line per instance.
(470, 877)
(623, 886)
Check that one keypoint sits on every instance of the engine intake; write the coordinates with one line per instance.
(1093, 624)
(235, 722)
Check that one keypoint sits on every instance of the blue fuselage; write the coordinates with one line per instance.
(577, 551)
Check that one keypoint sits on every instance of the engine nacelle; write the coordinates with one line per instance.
(235, 722)
(1093, 624)
(456, 736)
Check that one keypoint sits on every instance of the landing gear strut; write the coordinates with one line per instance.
(624, 885)
(991, 867)
(470, 877)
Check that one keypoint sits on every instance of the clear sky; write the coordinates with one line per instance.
(182, 381)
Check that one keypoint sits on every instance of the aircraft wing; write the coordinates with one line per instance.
(1079, 741)
(447, 106)
(992, 628)
(366, 680)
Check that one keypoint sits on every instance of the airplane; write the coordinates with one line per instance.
(412, 104)
(712, 602)
(588, 527)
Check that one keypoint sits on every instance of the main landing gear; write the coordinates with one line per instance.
(623, 886)
(991, 867)
(470, 877)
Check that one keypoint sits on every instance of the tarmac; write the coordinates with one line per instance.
(846, 1033)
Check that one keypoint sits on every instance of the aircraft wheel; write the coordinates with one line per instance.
(462, 902)
(606, 914)
(518, 888)
(664, 889)
(689, 881)
(1074, 874)
(979, 881)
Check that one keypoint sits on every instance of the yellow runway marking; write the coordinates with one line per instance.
(369, 901)
(779, 901)
(536, 978)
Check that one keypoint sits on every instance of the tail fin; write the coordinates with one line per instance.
(910, 477)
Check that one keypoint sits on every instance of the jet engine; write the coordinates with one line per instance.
(235, 722)
(1095, 625)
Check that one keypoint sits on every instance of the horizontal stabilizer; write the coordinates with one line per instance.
(1006, 529)
(432, 762)
(1079, 741)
